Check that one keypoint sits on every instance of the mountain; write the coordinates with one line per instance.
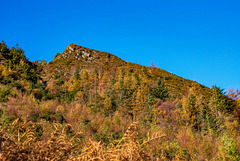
(81, 58)
(88, 104)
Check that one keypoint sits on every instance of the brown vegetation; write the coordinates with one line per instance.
(91, 105)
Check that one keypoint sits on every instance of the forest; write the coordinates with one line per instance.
(91, 105)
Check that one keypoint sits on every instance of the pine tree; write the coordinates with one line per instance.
(219, 101)
(159, 90)
(193, 111)
(76, 74)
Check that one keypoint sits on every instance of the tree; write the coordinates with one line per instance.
(76, 74)
(235, 95)
(218, 107)
(193, 111)
(219, 101)
(56, 55)
(159, 90)
(108, 107)
(3, 47)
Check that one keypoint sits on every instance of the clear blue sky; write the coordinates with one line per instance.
(194, 39)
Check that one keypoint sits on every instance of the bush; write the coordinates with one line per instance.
(228, 148)
(173, 150)
(4, 95)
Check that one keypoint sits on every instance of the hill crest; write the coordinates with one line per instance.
(84, 54)
(78, 57)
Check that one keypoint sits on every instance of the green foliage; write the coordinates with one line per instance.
(53, 117)
(76, 74)
(68, 62)
(229, 148)
(107, 138)
(172, 149)
(159, 90)
(219, 100)
(108, 95)
(34, 117)
(56, 55)
(59, 82)
(3, 47)
(1, 112)
(110, 103)
(4, 94)
(150, 99)
(30, 73)
(5, 119)
(39, 131)
(70, 95)
(193, 110)
(212, 123)
(59, 118)
(144, 70)
(137, 79)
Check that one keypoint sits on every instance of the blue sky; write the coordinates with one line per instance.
(197, 40)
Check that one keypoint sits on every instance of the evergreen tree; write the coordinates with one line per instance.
(3, 47)
(193, 110)
(159, 90)
(219, 101)
(56, 55)
(76, 74)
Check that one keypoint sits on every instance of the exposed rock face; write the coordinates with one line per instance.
(79, 53)
(83, 56)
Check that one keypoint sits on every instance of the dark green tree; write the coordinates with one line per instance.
(56, 55)
(3, 47)
(192, 107)
(76, 74)
(159, 90)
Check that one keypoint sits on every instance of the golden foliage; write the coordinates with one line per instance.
(128, 148)
(21, 143)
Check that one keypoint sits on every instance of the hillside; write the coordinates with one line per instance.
(88, 104)
(80, 58)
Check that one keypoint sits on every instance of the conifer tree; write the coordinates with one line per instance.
(76, 74)
(219, 101)
(193, 110)
(159, 90)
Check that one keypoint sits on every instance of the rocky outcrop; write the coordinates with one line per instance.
(79, 53)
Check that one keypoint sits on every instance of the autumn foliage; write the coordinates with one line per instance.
(91, 105)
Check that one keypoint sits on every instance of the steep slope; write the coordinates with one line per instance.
(81, 58)
(88, 104)
(86, 55)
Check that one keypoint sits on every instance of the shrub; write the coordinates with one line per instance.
(228, 148)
